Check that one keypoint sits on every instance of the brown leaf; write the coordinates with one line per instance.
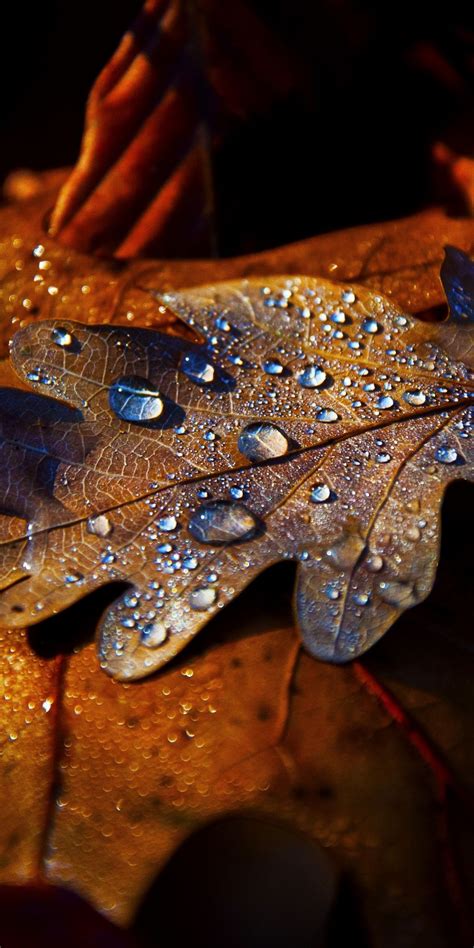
(317, 423)
(102, 780)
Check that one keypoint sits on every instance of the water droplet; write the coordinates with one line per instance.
(397, 593)
(327, 415)
(135, 399)
(384, 402)
(261, 441)
(209, 436)
(383, 457)
(361, 599)
(348, 296)
(320, 493)
(61, 337)
(371, 326)
(221, 521)
(168, 523)
(312, 376)
(346, 551)
(99, 525)
(236, 492)
(202, 598)
(338, 317)
(108, 557)
(413, 534)
(445, 454)
(272, 367)
(153, 634)
(197, 368)
(73, 578)
(222, 324)
(190, 562)
(374, 563)
(332, 592)
(414, 397)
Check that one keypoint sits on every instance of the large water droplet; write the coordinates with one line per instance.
(135, 399)
(312, 376)
(168, 523)
(397, 593)
(153, 634)
(100, 525)
(221, 521)
(414, 397)
(197, 368)
(370, 326)
(61, 337)
(385, 401)
(272, 367)
(261, 441)
(321, 493)
(202, 598)
(446, 454)
(327, 415)
(346, 550)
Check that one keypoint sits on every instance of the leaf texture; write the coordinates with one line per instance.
(317, 424)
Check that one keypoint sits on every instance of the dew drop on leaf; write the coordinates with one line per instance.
(272, 367)
(168, 523)
(370, 326)
(320, 493)
(153, 634)
(135, 399)
(414, 397)
(100, 525)
(221, 521)
(260, 441)
(197, 368)
(61, 337)
(202, 598)
(327, 415)
(445, 454)
(312, 376)
(396, 593)
(384, 402)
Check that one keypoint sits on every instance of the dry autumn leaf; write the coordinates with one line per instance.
(101, 781)
(317, 423)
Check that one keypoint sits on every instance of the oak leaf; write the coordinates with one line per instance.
(316, 423)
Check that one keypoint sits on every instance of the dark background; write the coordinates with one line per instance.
(384, 81)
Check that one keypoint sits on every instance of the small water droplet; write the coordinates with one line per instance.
(222, 324)
(361, 599)
(321, 493)
(332, 592)
(348, 296)
(221, 521)
(73, 578)
(261, 440)
(99, 525)
(346, 550)
(414, 397)
(338, 317)
(108, 557)
(397, 593)
(312, 376)
(370, 326)
(272, 367)
(154, 634)
(327, 415)
(190, 562)
(236, 492)
(135, 399)
(202, 598)
(61, 337)
(383, 457)
(197, 368)
(374, 563)
(168, 523)
(384, 402)
(446, 454)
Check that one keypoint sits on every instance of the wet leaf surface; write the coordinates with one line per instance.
(102, 780)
